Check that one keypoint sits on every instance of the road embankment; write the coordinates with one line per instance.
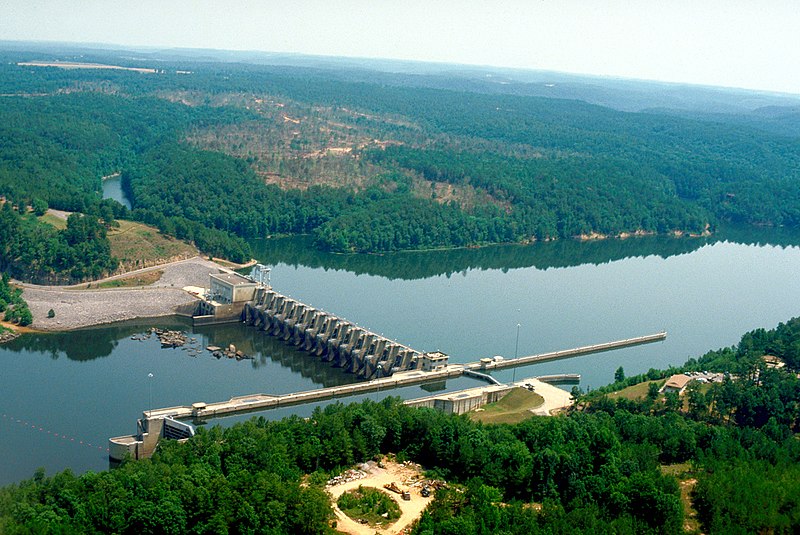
(76, 307)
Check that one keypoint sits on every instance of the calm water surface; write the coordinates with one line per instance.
(93, 384)
(112, 189)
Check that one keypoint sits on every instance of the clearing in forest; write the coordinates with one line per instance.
(137, 245)
(637, 391)
(407, 477)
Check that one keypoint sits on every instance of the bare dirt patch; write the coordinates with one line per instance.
(58, 214)
(73, 65)
(685, 474)
(329, 151)
(407, 476)
(466, 196)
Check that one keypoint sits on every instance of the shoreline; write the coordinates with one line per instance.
(76, 307)
(581, 238)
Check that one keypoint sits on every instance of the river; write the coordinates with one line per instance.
(63, 395)
(112, 189)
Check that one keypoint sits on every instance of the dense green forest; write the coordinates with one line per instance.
(234, 151)
(36, 251)
(12, 305)
(604, 467)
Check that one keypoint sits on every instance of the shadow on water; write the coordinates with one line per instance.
(265, 349)
(89, 344)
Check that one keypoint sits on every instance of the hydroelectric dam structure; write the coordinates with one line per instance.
(384, 364)
(354, 349)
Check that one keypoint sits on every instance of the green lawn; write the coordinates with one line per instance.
(637, 391)
(514, 407)
(144, 279)
(54, 221)
(137, 245)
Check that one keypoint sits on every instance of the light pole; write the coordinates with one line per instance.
(150, 388)
(516, 351)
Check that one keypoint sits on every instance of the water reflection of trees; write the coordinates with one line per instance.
(299, 251)
(88, 344)
(424, 264)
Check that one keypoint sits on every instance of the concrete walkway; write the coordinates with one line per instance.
(554, 398)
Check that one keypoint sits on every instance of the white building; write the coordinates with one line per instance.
(228, 288)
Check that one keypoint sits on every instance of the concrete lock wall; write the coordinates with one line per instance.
(121, 447)
(243, 292)
(222, 293)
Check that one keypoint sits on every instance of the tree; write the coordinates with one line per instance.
(672, 401)
(619, 375)
(39, 206)
(698, 405)
(25, 316)
(575, 394)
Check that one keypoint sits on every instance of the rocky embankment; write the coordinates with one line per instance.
(7, 336)
(180, 339)
(75, 308)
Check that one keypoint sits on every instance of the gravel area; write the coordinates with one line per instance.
(83, 308)
(192, 272)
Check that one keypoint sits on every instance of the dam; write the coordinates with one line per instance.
(332, 339)
(383, 363)
(232, 298)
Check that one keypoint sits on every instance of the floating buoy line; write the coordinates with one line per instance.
(57, 436)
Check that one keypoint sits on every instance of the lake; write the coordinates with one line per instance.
(65, 394)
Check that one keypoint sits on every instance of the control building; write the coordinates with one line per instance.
(228, 288)
(225, 299)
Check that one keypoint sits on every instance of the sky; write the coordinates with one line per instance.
(753, 44)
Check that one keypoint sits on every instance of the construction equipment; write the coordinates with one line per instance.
(393, 487)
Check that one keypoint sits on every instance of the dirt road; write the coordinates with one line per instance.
(404, 476)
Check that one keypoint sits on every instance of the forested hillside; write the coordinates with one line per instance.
(223, 151)
(609, 466)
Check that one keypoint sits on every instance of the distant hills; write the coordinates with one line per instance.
(377, 155)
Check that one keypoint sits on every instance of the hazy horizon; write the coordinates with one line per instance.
(733, 43)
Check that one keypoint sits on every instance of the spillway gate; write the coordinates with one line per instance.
(333, 339)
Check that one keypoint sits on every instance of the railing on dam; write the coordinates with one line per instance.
(265, 401)
(497, 364)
